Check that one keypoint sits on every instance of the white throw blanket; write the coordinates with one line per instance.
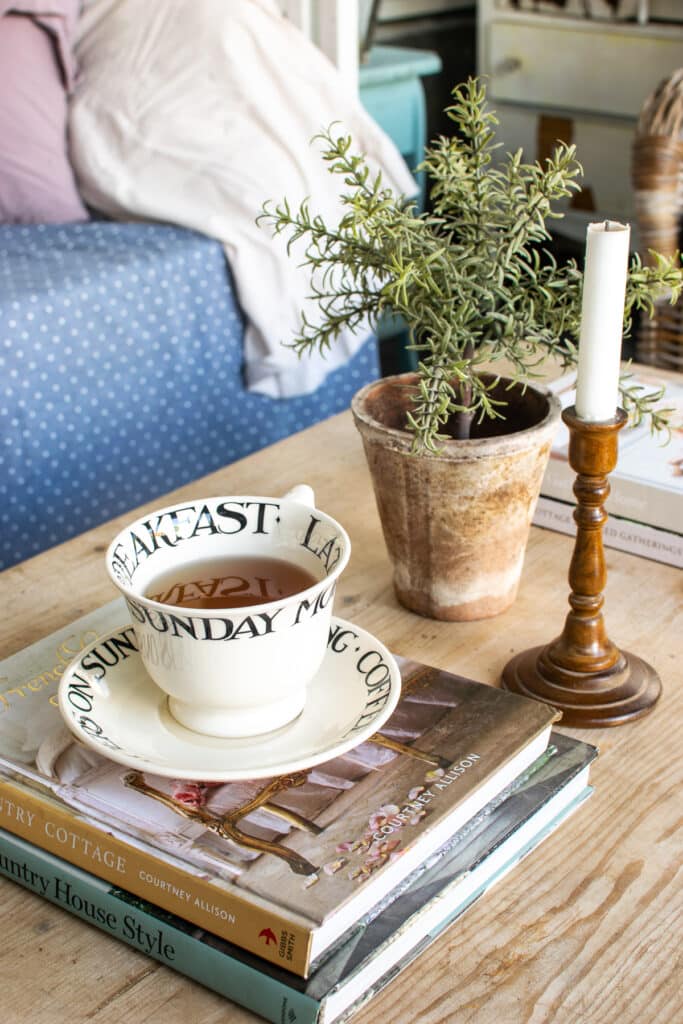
(195, 112)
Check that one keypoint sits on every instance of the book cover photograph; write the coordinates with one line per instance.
(472, 860)
(281, 866)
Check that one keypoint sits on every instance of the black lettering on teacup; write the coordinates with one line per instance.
(312, 608)
(157, 620)
(179, 520)
(79, 694)
(328, 552)
(374, 668)
(204, 523)
(250, 626)
(91, 728)
(216, 628)
(226, 512)
(260, 519)
(268, 618)
(91, 664)
(139, 548)
(121, 564)
(157, 534)
(247, 627)
(169, 529)
(337, 641)
(377, 678)
(110, 652)
(213, 627)
(183, 625)
(136, 610)
(242, 521)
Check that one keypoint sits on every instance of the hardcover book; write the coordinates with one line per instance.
(646, 485)
(402, 926)
(282, 867)
(619, 533)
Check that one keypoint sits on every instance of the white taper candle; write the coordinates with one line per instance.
(602, 318)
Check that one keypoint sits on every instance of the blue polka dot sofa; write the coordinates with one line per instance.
(121, 375)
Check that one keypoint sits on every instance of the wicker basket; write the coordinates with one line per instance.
(657, 175)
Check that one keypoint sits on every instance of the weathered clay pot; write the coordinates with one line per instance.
(456, 524)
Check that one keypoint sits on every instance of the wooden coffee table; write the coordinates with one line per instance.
(588, 929)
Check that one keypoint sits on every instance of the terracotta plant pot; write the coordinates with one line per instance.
(456, 524)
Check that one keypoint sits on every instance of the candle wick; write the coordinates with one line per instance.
(608, 225)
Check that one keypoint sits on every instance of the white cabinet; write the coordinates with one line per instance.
(586, 67)
(580, 79)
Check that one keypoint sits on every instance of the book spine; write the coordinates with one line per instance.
(630, 499)
(255, 928)
(137, 924)
(622, 534)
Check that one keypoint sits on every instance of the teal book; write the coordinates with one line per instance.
(380, 945)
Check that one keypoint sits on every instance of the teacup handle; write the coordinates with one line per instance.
(302, 493)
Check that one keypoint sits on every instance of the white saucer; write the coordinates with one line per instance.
(125, 716)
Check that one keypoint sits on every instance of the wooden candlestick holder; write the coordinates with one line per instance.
(582, 673)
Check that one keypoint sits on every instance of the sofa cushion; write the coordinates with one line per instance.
(36, 71)
(121, 376)
(203, 142)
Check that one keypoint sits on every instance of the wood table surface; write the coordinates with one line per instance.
(589, 928)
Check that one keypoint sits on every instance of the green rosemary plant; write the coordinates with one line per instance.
(471, 278)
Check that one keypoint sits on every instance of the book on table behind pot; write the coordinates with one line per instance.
(646, 485)
(288, 878)
(475, 858)
(619, 533)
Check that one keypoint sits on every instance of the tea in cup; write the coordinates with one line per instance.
(231, 600)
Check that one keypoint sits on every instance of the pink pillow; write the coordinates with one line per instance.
(36, 71)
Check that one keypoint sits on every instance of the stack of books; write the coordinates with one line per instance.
(298, 897)
(645, 504)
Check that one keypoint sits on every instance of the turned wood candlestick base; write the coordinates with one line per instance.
(582, 672)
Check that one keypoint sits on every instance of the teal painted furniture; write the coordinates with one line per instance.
(392, 91)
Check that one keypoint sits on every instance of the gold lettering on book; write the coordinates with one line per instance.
(73, 841)
(161, 883)
(215, 910)
(11, 809)
(64, 653)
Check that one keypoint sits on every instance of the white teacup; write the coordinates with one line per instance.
(233, 671)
